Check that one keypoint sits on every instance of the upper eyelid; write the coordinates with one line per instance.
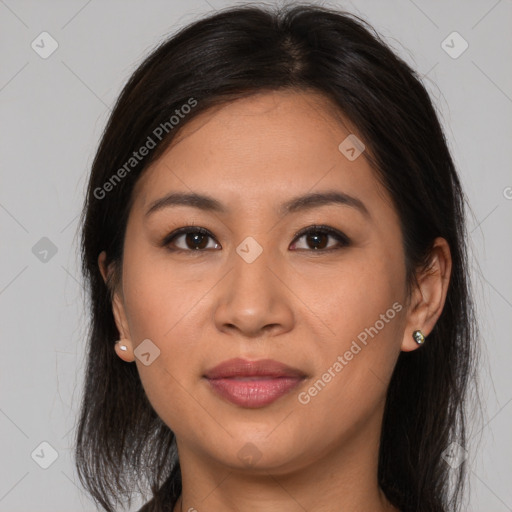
(315, 227)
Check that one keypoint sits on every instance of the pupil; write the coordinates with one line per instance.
(315, 239)
(193, 238)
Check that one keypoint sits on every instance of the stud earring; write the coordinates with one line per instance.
(123, 346)
(419, 337)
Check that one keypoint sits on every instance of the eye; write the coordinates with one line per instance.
(193, 238)
(318, 237)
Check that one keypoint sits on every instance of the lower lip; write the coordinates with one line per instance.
(253, 393)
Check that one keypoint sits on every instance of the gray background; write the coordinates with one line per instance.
(53, 111)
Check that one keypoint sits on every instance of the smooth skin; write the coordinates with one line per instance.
(295, 304)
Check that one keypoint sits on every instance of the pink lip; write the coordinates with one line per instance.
(253, 384)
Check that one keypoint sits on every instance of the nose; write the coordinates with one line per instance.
(254, 299)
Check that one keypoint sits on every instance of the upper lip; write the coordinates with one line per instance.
(243, 368)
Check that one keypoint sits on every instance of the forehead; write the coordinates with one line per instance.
(260, 149)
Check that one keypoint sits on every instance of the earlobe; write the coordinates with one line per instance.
(429, 296)
(124, 350)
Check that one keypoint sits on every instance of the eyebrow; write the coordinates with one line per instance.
(300, 203)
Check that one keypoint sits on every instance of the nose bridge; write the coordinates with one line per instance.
(252, 298)
(251, 273)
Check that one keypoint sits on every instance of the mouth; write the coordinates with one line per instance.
(253, 384)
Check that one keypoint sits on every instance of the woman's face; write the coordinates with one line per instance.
(254, 290)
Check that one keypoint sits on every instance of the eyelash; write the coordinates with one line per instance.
(343, 240)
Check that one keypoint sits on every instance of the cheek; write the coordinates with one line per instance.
(158, 295)
(162, 318)
(352, 295)
(362, 305)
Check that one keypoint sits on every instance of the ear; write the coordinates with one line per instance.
(429, 295)
(119, 312)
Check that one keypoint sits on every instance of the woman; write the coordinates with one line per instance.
(273, 239)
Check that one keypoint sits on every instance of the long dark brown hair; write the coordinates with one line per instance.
(121, 443)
